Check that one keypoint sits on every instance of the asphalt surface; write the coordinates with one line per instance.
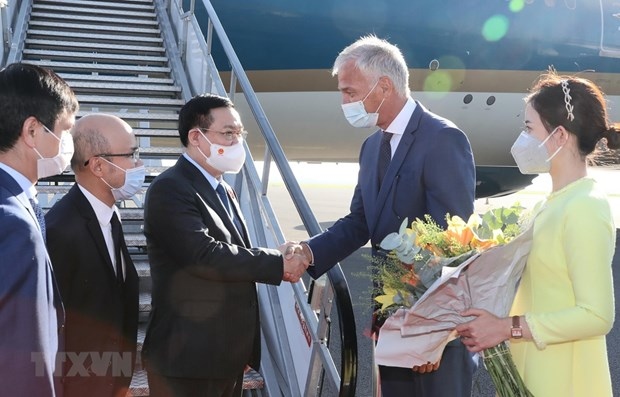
(328, 190)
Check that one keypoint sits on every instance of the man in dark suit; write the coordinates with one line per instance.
(417, 163)
(204, 326)
(36, 112)
(96, 277)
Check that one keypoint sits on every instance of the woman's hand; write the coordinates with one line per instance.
(486, 330)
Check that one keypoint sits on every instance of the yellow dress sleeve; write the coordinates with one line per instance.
(588, 240)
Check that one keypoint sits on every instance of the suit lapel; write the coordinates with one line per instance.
(93, 226)
(232, 198)
(209, 196)
(404, 146)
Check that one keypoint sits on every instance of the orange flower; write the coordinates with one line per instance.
(410, 278)
(482, 245)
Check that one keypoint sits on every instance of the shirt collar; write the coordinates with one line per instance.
(212, 180)
(102, 210)
(399, 124)
(23, 182)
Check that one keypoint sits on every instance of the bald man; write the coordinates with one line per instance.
(97, 279)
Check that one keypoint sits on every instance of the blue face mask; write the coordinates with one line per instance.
(531, 155)
(356, 114)
(134, 178)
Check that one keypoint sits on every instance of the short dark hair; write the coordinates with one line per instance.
(31, 91)
(197, 113)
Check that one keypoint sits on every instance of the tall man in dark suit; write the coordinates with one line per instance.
(417, 163)
(204, 327)
(97, 279)
(37, 109)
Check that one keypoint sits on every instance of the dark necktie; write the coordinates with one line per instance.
(117, 237)
(40, 217)
(221, 192)
(385, 155)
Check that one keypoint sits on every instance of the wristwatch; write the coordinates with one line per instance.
(516, 331)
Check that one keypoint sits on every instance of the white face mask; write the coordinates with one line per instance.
(134, 178)
(531, 155)
(225, 158)
(49, 166)
(356, 114)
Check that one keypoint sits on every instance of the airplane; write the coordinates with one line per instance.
(471, 61)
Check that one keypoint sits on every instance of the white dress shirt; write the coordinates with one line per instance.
(399, 124)
(104, 215)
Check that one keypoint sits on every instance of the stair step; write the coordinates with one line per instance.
(75, 78)
(84, 99)
(144, 304)
(162, 151)
(156, 132)
(135, 240)
(82, 28)
(86, 9)
(94, 56)
(142, 267)
(94, 19)
(139, 384)
(95, 47)
(100, 67)
(81, 87)
(93, 37)
(132, 214)
(101, 4)
(252, 380)
(139, 116)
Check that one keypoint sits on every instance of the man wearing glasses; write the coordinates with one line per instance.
(204, 328)
(97, 279)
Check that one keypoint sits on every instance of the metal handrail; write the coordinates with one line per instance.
(335, 275)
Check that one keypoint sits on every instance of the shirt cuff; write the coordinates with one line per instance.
(307, 251)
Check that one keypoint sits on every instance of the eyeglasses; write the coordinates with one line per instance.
(135, 156)
(228, 135)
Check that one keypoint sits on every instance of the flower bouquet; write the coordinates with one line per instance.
(430, 275)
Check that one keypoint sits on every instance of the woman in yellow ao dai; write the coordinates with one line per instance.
(564, 305)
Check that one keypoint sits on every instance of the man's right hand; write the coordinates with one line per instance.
(426, 368)
(295, 264)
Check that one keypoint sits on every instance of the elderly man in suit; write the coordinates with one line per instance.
(204, 328)
(36, 112)
(97, 279)
(418, 163)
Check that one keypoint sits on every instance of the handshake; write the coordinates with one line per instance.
(297, 257)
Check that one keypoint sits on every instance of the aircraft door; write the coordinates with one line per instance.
(610, 29)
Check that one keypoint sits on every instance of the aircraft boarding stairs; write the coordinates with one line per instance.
(122, 57)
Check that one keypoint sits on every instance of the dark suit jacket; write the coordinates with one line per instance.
(204, 322)
(31, 312)
(102, 315)
(432, 172)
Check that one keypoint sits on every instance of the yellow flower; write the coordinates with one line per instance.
(387, 299)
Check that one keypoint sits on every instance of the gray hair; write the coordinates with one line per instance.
(375, 58)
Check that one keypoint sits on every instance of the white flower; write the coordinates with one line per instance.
(402, 243)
